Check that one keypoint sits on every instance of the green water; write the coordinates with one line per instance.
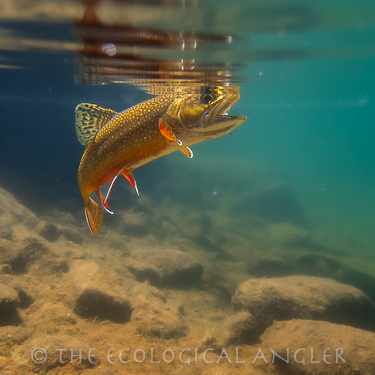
(290, 192)
(313, 128)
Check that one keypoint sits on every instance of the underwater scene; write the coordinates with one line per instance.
(187, 187)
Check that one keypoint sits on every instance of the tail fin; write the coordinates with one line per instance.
(94, 216)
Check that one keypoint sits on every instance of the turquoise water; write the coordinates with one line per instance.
(312, 124)
(290, 192)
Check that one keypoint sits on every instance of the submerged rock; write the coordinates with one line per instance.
(240, 328)
(14, 335)
(142, 220)
(8, 251)
(25, 299)
(15, 212)
(323, 348)
(153, 316)
(136, 224)
(98, 371)
(6, 230)
(47, 230)
(5, 269)
(288, 234)
(53, 314)
(67, 346)
(33, 251)
(97, 293)
(71, 235)
(8, 306)
(52, 232)
(303, 297)
(171, 268)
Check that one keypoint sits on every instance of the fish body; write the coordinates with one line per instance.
(118, 143)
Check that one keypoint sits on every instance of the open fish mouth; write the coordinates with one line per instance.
(218, 114)
(222, 123)
(226, 113)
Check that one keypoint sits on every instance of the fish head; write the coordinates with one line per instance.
(204, 114)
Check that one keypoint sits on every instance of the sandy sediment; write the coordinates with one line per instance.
(139, 302)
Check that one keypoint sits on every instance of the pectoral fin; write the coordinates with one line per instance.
(89, 119)
(167, 132)
(187, 151)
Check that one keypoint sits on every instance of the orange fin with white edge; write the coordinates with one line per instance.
(104, 202)
(187, 151)
(129, 176)
(94, 216)
(167, 132)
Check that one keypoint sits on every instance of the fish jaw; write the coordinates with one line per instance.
(221, 106)
(218, 122)
(195, 121)
(221, 125)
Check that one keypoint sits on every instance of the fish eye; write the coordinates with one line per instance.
(207, 95)
(206, 98)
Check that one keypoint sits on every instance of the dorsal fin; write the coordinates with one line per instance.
(89, 119)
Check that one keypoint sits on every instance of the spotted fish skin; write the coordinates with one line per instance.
(140, 134)
(123, 143)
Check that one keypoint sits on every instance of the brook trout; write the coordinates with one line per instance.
(117, 143)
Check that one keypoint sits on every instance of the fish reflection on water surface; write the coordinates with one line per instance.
(118, 143)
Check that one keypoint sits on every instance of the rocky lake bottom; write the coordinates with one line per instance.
(179, 291)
